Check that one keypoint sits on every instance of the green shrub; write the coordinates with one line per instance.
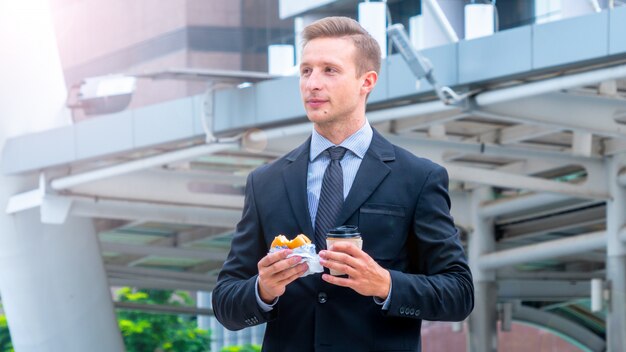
(5, 337)
(244, 348)
(148, 332)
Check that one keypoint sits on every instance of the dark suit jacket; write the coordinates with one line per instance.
(401, 206)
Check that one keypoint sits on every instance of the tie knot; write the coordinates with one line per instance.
(336, 153)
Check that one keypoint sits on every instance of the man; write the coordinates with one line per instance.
(412, 265)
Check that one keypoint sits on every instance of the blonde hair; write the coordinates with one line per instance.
(367, 49)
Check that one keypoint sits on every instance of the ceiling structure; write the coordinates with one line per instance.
(151, 238)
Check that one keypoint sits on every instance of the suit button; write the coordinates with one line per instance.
(417, 312)
(322, 297)
(401, 310)
(411, 311)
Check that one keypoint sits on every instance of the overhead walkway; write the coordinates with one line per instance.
(535, 156)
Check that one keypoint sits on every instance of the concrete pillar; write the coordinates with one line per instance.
(483, 333)
(53, 285)
(52, 280)
(616, 257)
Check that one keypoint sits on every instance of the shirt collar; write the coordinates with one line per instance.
(357, 143)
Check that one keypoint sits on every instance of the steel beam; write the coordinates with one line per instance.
(543, 290)
(562, 111)
(518, 133)
(170, 252)
(520, 203)
(204, 75)
(550, 85)
(544, 250)
(145, 211)
(508, 274)
(561, 326)
(436, 108)
(140, 164)
(513, 181)
(422, 146)
(563, 219)
(158, 278)
(148, 187)
(425, 121)
(125, 271)
(594, 187)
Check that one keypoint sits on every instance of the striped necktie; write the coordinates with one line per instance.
(331, 196)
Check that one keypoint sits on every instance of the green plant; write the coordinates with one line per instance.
(5, 337)
(244, 348)
(148, 332)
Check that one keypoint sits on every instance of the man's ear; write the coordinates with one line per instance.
(369, 81)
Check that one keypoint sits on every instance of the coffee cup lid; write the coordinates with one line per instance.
(345, 231)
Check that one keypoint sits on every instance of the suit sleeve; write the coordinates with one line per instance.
(439, 287)
(234, 299)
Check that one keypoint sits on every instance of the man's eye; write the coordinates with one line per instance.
(330, 70)
(305, 71)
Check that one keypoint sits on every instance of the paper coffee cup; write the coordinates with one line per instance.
(346, 233)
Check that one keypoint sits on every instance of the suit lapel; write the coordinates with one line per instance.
(372, 172)
(295, 178)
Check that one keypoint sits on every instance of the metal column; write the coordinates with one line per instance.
(616, 256)
(483, 333)
(203, 300)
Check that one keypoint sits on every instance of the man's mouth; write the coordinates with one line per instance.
(314, 102)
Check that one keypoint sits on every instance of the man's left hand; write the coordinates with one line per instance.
(365, 276)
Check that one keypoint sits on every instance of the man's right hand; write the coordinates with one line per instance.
(276, 271)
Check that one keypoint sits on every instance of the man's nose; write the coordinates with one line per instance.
(313, 81)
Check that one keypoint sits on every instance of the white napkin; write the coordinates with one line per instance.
(308, 255)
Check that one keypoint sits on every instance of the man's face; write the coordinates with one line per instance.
(329, 86)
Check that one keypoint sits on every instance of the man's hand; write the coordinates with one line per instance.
(365, 276)
(276, 271)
